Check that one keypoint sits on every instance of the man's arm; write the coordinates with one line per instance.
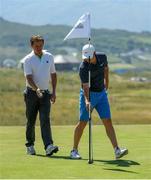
(86, 94)
(54, 84)
(31, 82)
(106, 77)
(33, 85)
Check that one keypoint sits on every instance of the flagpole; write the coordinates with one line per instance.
(90, 161)
(82, 29)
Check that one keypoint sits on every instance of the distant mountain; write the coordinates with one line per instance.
(131, 15)
(121, 47)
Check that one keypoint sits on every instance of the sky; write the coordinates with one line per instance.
(131, 15)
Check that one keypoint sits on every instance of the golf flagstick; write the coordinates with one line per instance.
(90, 161)
(82, 29)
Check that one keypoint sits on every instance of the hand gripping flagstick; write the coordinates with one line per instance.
(82, 30)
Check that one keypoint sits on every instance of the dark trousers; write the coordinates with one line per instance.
(33, 106)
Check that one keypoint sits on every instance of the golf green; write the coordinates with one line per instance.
(16, 164)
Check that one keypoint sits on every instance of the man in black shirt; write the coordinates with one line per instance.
(99, 82)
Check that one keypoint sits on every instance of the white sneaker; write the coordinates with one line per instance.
(74, 154)
(51, 149)
(120, 152)
(31, 150)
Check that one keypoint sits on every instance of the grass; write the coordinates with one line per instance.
(121, 66)
(15, 164)
(130, 101)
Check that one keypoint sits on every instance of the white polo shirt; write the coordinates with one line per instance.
(39, 68)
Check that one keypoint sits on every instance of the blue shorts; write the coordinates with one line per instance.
(99, 101)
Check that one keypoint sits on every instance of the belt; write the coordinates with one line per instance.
(42, 90)
(94, 90)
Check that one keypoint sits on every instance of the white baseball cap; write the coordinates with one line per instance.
(88, 51)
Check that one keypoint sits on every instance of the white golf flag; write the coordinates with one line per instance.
(81, 29)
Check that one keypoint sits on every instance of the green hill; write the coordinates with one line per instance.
(125, 50)
(121, 46)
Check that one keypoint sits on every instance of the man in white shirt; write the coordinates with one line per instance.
(39, 69)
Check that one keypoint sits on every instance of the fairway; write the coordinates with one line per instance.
(14, 163)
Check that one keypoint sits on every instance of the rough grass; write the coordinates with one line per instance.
(130, 102)
(15, 164)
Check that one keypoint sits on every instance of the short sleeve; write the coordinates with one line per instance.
(102, 58)
(52, 67)
(84, 75)
(27, 67)
(105, 60)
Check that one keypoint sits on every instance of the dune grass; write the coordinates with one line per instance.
(130, 101)
(15, 164)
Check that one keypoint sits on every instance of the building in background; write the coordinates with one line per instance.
(66, 63)
(9, 63)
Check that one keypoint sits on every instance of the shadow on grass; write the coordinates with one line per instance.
(120, 170)
(54, 157)
(117, 163)
(121, 162)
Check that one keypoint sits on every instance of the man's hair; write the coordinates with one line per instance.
(36, 38)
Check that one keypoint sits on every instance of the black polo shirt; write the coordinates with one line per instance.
(97, 72)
